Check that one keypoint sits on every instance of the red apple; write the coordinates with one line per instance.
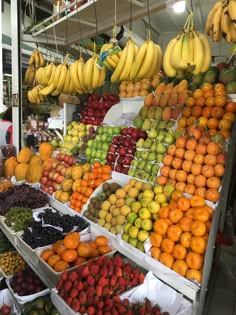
(59, 179)
(120, 160)
(122, 151)
(58, 156)
(49, 183)
(127, 141)
(45, 173)
(59, 167)
(131, 150)
(115, 140)
(56, 186)
(125, 170)
(110, 157)
(43, 180)
(112, 148)
(72, 161)
(55, 175)
(142, 134)
(127, 159)
(118, 168)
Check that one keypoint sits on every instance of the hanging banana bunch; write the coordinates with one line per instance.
(34, 95)
(221, 21)
(187, 53)
(36, 60)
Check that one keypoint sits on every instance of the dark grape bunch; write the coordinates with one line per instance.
(38, 235)
(22, 196)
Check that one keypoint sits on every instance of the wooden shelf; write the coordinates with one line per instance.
(83, 23)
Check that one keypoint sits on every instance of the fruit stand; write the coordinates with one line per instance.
(134, 193)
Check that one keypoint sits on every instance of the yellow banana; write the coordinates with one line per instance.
(148, 60)
(37, 59)
(225, 24)
(39, 75)
(136, 49)
(96, 75)
(71, 87)
(55, 93)
(88, 72)
(118, 70)
(80, 73)
(32, 58)
(67, 82)
(47, 90)
(62, 78)
(232, 11)
(31, 74)
(74, 75)
(102, 77)
(41, 59)
(155, 61)
(207, 52)
(27, 74)
(128, 61)
(233, 33)
(57, 74)
(138, 61)
(176, 60)
(115, 58)
(168, 68)
(187, 49)
(199, 53)
(111, 62)
(50, 81)
(29, 96)
(216, 23)
(211, 16)
(160, 59)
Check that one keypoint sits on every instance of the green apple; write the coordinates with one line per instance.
(125, 237)
(145, 176)
(152, 179)
(116, 130)
(153, 147)
(105, 147)
(94, 145)
(153, 206)
(151, 156)
(160, 137)
(133, 231)
(138, 223)
(147, 224)
(152, 134)
(133, 241)
(138, 173)
(148, 167)
(155, 168)
(134, 163)
(143, 235)
(103, 162)
(144, 213)
(104, 137)
(140, 143)
(90, 143)
(145, 201)
(131, 172)
(160, 148)
(169, 139)
(140, 246)
(93, 153)
(147, 144)
(110, 130)
(137, 154)
(159, 157)
(98, 138)
(99, 145)
(98, 154)
(109, 138)
(88, 151)
(160, 198)
(126, 227)
(99, 130)
(131, 217)
(144, 155)
(141, 164)
(103, 155)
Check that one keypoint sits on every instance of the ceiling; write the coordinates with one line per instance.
(162, 23)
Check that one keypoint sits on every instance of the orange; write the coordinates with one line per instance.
(198, 244)
(61, 266)
(69, 255)
(53, 259)
(183, 203)
(56, 244)
(201, 214)
(155, 239)
(189, 102)
(166, 259)
(185, 239)
(174, 232)
(185, 224)
(175, 215)
(155, 252)
(71, 240)
(207, 87)
(197, 201)
(60, 249)
(164, 212)
(160, 226)
(176, 194)
(193, 274)
(84, 249)
(79, 261)
(102, 250)
(180, 267)
(47, 253)
(179, 251)
(101, 240)
(167, 245)
(198, 228)
(197, 93)
(194, 260)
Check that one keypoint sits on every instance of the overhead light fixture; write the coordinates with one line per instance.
(179, 6)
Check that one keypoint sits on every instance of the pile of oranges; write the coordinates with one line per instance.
(71, 252)
(209, 108)
(180, 235)
(90, 181)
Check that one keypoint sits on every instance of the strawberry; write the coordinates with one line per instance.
(73, 276)
(129, 312)
(59, 284)
(99, 312)
(61, 293)
(74, 292)
(110, 269)
(103, 281)
(99, 290)
(100, 260)
(117, 261)
(114, 312)
(116, 299)
(156, 308)
(125, 302)
(121, 309)
(85, 286)
(64, 275)
(128, 283)
(90, 310)
(75, 305)
(105, 291)
(148, 305)
(121, 282)
(68, 300)
(128, 269)
(85, 272)
(108, 305)
(157, 313)
(113, 280)
(96, 299)
(100, 305)
(80, 286)
(165, 313)
(82, 297)
(134, 282)
(67, 285)
(118, 272)
(141, 310)
(90, 301)
(90, 291)
(75, 283)
(136, 272)
(90, 280)
(141, 278)
(103, 272)
(94, 269)
(82, 309)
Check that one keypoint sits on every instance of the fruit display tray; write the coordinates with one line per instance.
(6, 298)
(54, 276)
(21, 300)
(10, 234)
(15, 182)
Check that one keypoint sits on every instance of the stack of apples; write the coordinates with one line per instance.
(122, 149)
(96, 108)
